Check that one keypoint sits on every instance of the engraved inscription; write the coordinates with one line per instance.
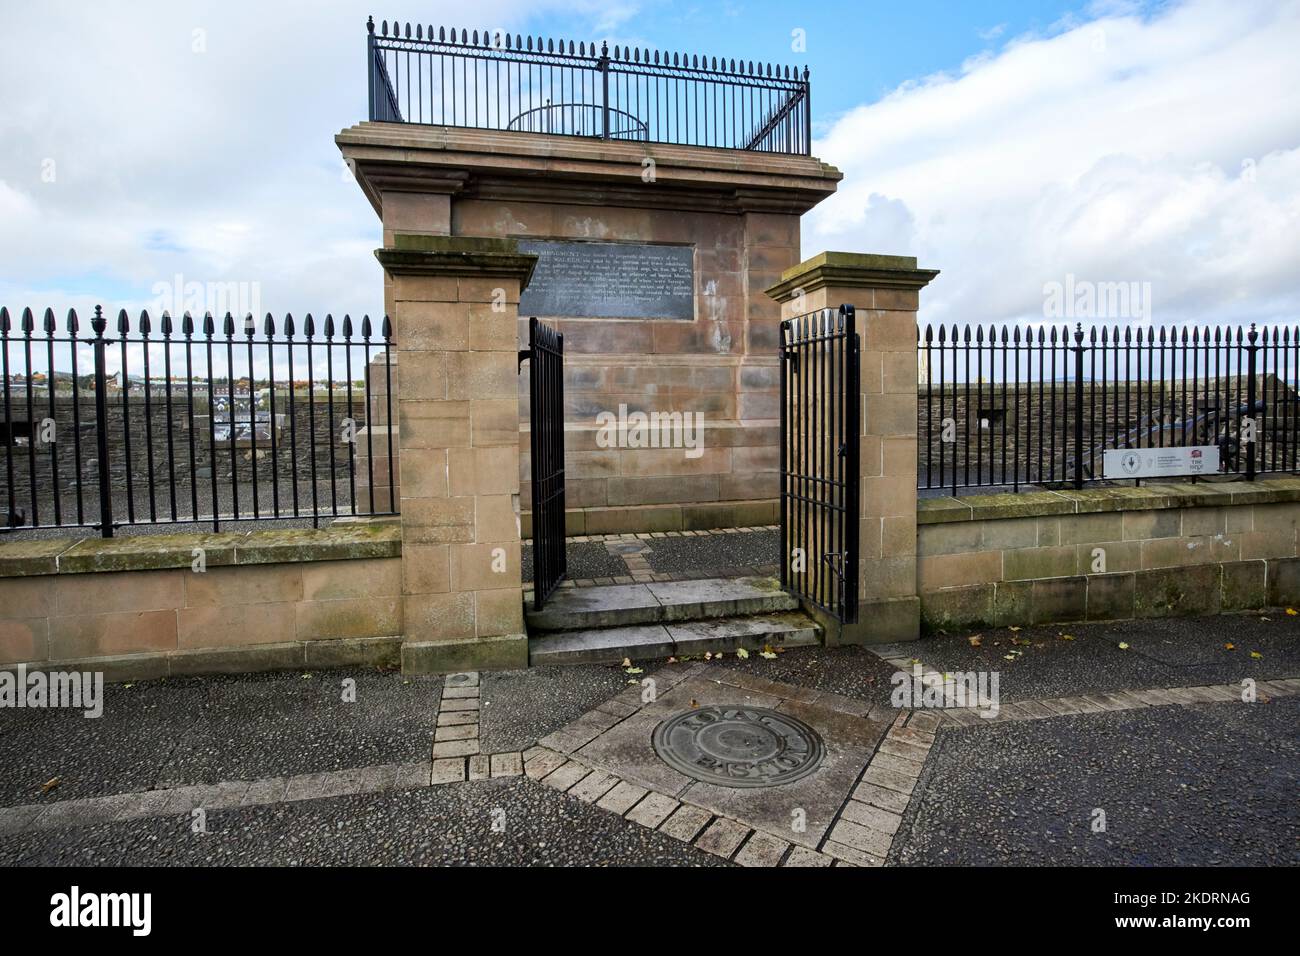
(739, 746)
(609, 280)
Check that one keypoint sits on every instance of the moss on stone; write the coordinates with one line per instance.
(149, 552)
(327, 544)
(450, 657)
(25, 558)
(941, 510)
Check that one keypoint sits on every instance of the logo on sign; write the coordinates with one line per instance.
(1131, 463)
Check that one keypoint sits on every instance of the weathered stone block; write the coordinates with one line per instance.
(1027, 564)
(508, 652)
(1141, 525)
(1175, 592)
(935, 572)
(953, 608)
(1089, 528)
(1008, 533)
(1111, 597)
(369, 617)
(1059, 600)
(951, 538)
(1244, 585)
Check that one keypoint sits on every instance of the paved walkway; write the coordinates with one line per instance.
(605, 559)
(1099, 753)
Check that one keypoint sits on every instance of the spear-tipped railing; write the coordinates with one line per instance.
(484, 79)
(1005, 406)
(137, 425)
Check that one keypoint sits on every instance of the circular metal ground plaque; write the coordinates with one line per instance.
(734, 746)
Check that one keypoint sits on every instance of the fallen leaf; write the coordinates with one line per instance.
(708, 655)
(627, 662)
(1292, 612)
(1067, 637)
(1123, 646)
(1009, 657)
(1013, 629)
(742, 653)
(976, 641)
(767, 655)
(1257, 655)
(50, 784)
(1230, 647)
(633, 670)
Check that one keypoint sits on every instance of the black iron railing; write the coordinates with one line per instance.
(179, 422)
(1006, 408)
(501, 81)
(820, 459)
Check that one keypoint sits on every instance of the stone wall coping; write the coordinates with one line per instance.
(460, 256)
(538, 167)
(1151, 497)
(47, 556)
(852, 270)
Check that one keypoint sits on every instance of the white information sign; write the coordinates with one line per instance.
(1161, 462)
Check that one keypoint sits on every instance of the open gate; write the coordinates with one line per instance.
(545, 357)
(819, 460)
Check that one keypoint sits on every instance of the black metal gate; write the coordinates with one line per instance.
(819, 460)
(545, 355)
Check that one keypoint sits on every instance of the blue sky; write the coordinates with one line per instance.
(857, 51)
(1010, 144)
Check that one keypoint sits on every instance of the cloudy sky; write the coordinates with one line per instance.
(1011, 143)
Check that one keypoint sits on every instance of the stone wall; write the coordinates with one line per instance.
(1109, 554)
(140, 608)
(738, 212)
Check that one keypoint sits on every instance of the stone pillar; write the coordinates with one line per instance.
(885, 292)
(455, 314)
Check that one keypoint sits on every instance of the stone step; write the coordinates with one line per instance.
(658, 602)
(641, 642)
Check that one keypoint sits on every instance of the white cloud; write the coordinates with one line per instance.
(1162, 149)
(219, 165)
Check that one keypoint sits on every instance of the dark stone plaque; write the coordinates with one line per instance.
(739, 746)
(609, 280)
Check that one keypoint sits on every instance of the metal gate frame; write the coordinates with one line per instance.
(545, 355)
(820, 458)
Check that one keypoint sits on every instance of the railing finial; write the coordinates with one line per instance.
(370, 25)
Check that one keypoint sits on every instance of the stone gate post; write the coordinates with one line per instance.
(885, 293)
(454, 306)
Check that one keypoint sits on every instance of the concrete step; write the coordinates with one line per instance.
(641, 642)
(623, 605)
